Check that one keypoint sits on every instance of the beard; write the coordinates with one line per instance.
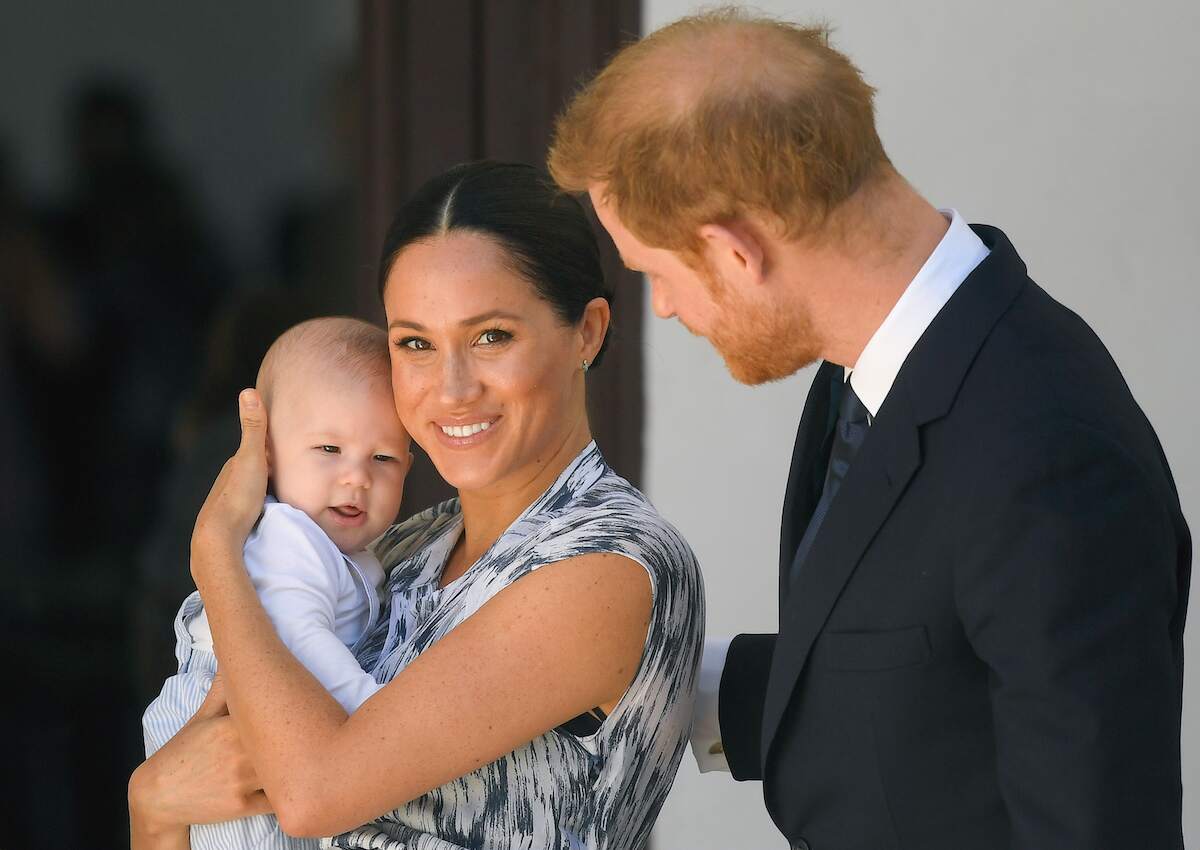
(759, 344)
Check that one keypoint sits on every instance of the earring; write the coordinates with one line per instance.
(586, 365)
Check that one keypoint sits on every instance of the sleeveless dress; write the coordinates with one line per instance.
(560, 791)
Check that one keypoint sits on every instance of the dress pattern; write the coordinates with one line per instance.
(560, 791)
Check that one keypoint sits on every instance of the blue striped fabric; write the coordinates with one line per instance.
(600, 792)
(181, 695)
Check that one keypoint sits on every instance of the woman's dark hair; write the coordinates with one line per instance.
(544, 231)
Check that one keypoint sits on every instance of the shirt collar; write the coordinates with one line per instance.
(955, 257)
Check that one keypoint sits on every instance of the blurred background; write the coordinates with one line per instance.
(178, 184)
(181, 182)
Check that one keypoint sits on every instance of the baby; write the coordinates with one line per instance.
(338, 456)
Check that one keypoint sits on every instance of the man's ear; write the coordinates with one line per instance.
(736, 250)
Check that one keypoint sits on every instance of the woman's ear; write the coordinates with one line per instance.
(593, 327)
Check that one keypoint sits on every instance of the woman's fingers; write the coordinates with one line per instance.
(202, 775)
(254, 426)
(235, 500)
(258, 804)
(215, 704)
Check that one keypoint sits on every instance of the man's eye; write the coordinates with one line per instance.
(414, 343)
(494, 336)
(332, 450)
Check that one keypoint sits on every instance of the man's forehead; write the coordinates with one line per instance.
(608, 216)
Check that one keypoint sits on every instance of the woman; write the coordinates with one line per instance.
(540, 634)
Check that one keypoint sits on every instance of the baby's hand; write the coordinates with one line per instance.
(236, 498)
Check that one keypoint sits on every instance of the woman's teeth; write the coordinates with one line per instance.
(465, 430)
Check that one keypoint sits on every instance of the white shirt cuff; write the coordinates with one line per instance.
(706, 721)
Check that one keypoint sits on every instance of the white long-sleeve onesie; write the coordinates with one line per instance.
(321, 602)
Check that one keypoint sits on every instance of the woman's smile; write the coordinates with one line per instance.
(465, 434)
(466, 428)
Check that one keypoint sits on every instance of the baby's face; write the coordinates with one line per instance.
(339, 453)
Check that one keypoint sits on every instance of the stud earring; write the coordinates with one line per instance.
(586, 366)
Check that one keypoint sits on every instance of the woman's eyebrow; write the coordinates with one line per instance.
(470, 320)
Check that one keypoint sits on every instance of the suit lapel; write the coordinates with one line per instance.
(877, 477)
(800, 498)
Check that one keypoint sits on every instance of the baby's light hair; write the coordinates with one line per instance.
(354, 348)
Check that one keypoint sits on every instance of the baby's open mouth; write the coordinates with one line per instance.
(348, 511)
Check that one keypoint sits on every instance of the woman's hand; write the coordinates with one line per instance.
(202, 775)
(236, 498)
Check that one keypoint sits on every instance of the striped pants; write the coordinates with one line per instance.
(181, 695)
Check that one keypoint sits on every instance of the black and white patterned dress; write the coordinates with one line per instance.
(560, 791)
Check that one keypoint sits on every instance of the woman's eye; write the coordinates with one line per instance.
(331, 450)
(414, 343)
(494, 336)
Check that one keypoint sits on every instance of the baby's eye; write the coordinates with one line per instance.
(332, 450)
(384, 458)
(414, 343)
(494, 336)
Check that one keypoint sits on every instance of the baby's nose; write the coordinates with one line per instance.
(356, 475)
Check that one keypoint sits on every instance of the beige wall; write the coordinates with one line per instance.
(1069, 125)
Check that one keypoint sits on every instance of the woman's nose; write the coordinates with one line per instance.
(459, 384)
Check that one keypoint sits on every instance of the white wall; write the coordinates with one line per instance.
(1071, 125)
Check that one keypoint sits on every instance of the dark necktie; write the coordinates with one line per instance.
(849, 432)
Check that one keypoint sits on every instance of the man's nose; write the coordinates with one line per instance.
(459, 384)
(660, 302)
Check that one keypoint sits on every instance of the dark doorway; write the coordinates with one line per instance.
(467, 79)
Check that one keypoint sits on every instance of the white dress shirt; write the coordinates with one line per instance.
(955, 257)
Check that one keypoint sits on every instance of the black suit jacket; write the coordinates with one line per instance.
(984, 647)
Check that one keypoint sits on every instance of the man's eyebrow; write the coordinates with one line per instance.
(470, 320)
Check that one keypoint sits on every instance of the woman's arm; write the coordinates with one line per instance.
(552, 645)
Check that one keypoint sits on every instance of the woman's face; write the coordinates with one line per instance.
(486, 376)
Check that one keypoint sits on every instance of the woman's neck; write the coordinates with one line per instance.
(486, 514)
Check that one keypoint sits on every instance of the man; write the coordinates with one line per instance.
(984, 569)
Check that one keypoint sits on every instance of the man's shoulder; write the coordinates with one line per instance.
(1044, 393)
(1042, 362)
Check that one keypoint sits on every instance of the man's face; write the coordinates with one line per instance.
(340, 454)
(676, 289)
(757, 339)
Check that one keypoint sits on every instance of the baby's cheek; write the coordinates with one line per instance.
(395, 495)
